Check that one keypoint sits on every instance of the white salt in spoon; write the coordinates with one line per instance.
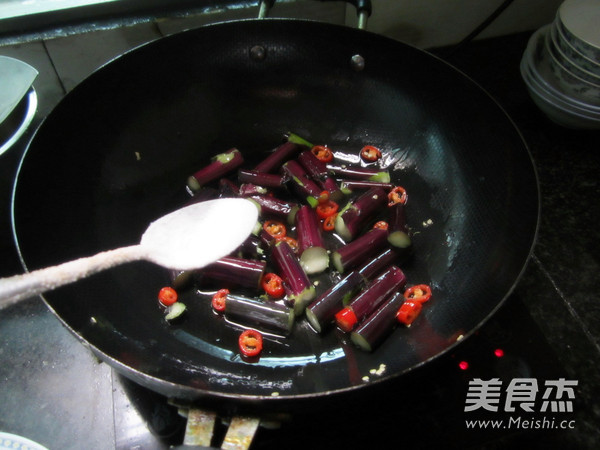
(189, 238)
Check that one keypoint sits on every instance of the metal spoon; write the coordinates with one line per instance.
(189, 238)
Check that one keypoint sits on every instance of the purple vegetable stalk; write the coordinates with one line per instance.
(318, 171)
(248, 189)
(321, 312)
(264, 179)
(300, 182)
(220, 165)
(373, 266)
(266, 239)
(250, 248)
(360, 250)
(379, 324)
(313, 255)
(181, 279)
(273, 206)
(349, 186)
(316, 168)
(228, 189)
(281, 154)
(261, 314)
(398, 230)
(355, 215)
(330, 185)
(231, 271)
(299, 290)
(360, 173)
(203, 195)
(369, 300)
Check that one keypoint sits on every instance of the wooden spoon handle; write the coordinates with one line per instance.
(20, 287)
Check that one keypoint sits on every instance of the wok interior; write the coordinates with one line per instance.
(115, 154)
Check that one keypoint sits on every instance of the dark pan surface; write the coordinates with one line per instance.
(116, 152)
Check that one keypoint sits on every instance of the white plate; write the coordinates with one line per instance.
(571, 52)
(13, 442)
(16, 78)
(581, 18)
(558, 107)
(12, 130)
(538, 62)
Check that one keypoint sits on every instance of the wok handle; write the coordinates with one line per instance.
(363, 9)
(20, 287)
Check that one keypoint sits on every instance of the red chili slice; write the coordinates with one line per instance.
(327, 209)
(408, 312)
(397, 195)
(250, 343)
(329, 222)
(419, 293)
(219, 300)
(275, 228)
(382, 224)
(293, 243)
(322, 153)
(346, 319)
(370, 153)
(323, 197)
(167, 296)
(273, 285)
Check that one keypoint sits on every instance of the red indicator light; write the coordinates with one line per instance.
(463, 365)
(499, 352)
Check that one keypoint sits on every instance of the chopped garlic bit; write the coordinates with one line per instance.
(379, 371)
(138, 156)
(428, 223)
(274, 394)
(365, 378)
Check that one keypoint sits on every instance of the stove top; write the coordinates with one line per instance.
(423, 408)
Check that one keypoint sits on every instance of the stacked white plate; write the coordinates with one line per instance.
(561, 65)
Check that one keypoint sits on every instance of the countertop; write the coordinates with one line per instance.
(47, 394)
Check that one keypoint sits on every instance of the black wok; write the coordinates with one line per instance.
(116, 152)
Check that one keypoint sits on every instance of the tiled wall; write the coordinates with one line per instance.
(65, 59)
(435, 23)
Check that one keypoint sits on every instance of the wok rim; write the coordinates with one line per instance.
(190, 394)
